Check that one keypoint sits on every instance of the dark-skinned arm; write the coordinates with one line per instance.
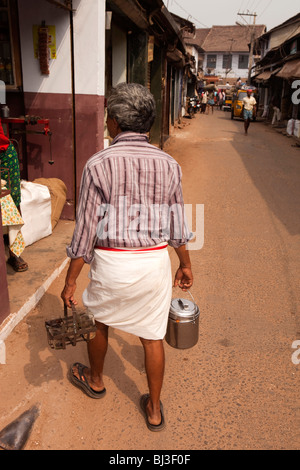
(74, 270)
(184, 275)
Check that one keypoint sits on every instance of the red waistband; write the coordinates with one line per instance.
(150, 248)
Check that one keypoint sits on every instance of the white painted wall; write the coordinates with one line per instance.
(89, 32)
(119, 55)
(235, 72)
(194, 52)
(32, 13)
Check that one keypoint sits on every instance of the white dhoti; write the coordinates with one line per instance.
(131, 290)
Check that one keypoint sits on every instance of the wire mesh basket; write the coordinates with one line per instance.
(70, 329)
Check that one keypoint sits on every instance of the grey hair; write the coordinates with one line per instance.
(132, 106)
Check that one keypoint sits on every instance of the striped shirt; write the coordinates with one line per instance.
(130, 197)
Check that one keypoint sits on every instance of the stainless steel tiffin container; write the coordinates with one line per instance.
(183, 323)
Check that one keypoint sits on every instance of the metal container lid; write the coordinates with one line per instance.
(183, 310)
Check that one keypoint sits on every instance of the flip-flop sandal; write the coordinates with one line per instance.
(83, 383)
(152, 427)
(18, 264)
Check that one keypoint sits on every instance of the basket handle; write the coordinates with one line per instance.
(75, 319)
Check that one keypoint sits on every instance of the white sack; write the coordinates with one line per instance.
(35, 211)
(297, 129)
(290, 126)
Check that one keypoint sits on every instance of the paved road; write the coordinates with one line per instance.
(238, 387)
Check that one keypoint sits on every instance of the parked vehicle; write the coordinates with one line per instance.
(191, 107)
(227, 89)
(228, 101)
(195, 102)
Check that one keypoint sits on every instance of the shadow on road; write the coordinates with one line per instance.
(46, 364)
(274, 167)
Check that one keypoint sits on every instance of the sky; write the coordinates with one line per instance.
(206, 13)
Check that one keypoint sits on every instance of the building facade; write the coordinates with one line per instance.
(226, 51)
(59, 60)
(278, 70)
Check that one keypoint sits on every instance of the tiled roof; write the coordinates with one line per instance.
(197, 38)
(229, 38)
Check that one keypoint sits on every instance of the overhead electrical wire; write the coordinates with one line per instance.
(246, 6)
(265, 9)
(189, 15)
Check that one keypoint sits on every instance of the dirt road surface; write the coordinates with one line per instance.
(238, 388)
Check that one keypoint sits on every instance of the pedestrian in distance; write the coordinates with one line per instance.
(211, 102)
(249, 110)
(204, 102)
(276, 109)
(130, 284)
(221, 99)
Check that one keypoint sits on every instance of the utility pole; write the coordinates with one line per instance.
(228, 69)
(252, 28)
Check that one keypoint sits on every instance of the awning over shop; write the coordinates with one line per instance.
(175, 56)
(264, 76)
(290, 70)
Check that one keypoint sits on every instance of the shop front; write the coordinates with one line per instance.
(52, 56)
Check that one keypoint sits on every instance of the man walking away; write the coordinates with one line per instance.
(249, 110)
(130, 284)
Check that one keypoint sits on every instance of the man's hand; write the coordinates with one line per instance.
(183, 278)
(184, 275)
(74, 270)
(68, 295)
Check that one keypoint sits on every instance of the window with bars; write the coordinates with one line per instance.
(243, 61)
(211, 61)
(227, 61)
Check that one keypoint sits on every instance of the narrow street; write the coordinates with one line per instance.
(238, 387)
